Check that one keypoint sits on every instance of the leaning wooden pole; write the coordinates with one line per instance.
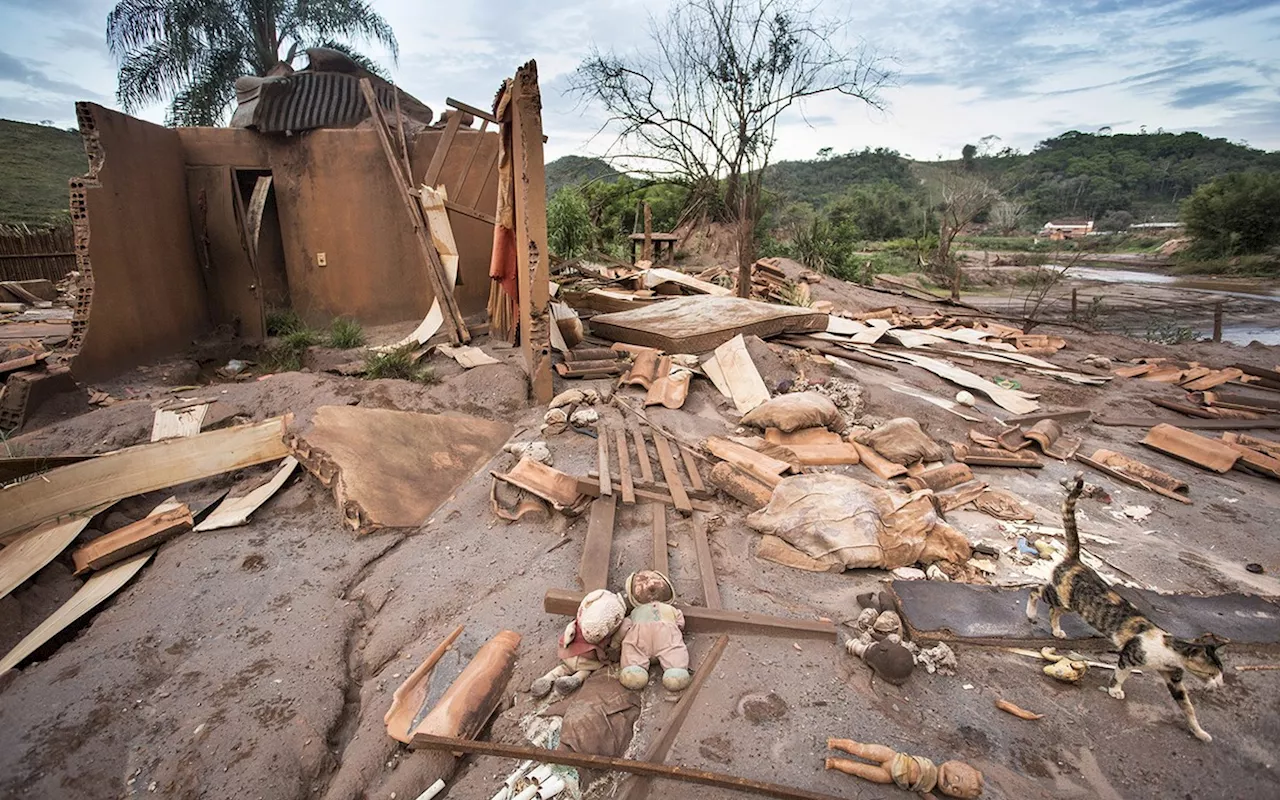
(454, 324)
(534, 273)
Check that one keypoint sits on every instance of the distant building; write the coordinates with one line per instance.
(1067, 229)
(1155, 226)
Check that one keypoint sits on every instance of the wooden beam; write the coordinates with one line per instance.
(672, 475)
(593, 569)
(591, 488)
(137, 470)
(714, 620)
(145, 534)
(665, 735)
(706, 569)
(1192, 424)
(584, 761)
(691, 467)
(471, 212)
(28, 554)
(471, 158)
(624, 467)
(442, 150)
(660, 560)
(472, 110)
(642, 455)
(454, 324)
(531, 230)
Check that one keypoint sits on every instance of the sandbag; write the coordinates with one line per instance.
(830, 516)
(902, 441)
(792, 412)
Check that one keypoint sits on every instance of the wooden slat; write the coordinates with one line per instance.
(593, 569)
(137, 470)
(602, 461)
(706, 569)
(642, 455)
(95, 590)
(471, 158)
(455, 325)
(37, 547)
(671, 474)
(624, 467)
(469, 201)
(691, 467)
(145, 534)
(471, 212)
(472, 110)
(591, 488)
(442, 150)
(582, 761)
(665, 736)
(660, 560)
(236, 510)
(714, 620)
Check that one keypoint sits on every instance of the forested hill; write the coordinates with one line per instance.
(35, 163)
(577, 170)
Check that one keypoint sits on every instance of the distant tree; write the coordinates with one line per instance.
(700, 101)
(825, 152)
(964, 198)
(1235, 214)
(967, 154)
(1007, 215)
(190, 52)
(568, 224)
(1115, 221)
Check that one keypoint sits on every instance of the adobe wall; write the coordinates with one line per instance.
(143, 297)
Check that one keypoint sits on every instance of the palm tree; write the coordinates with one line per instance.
(192, 51)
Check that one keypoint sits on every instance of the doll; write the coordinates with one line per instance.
(585, 643)
(913, 773)
(653, 630)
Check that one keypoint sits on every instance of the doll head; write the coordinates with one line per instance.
(599, 615)
(649, 586)
(958, 779)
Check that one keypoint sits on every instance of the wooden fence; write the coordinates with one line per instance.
(30, 253)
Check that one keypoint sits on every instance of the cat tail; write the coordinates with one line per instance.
(1075, 487)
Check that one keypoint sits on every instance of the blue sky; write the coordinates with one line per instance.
(1021, 70)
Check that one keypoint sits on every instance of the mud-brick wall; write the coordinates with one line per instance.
(134, 247)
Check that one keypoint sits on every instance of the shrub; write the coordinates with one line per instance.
(345, 334)
(1235, 214)
(283, 320)
(397, 364)
(568, 224)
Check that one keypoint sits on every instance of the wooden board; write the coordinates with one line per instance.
(178, 423)
(95, 590)
(28, 554)
(145, 534)
(432, 203)
(137, 470)
(671, 474)
(235, 511)
(764, 468)
(591, 488)
(691, 467)
(392, 469)
(745, 385)
(1008, 399)
(593, 569)
(602, 461)
(642, 456)
(659, 528)
(701, 323)
(624, 467)
(714, 620)
(706, 569)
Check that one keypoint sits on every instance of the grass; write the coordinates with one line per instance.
(345, 334)
(1256, 266)
(1102, 243)
(398, 364)
(283, 320)
(286, 354)
(35, 163)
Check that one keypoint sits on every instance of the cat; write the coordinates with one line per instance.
(1076, 587)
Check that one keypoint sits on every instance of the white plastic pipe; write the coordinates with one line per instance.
(432, 790)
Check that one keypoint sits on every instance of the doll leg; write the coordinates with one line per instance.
(674, 658)
(542, 686)
(634, 661)
(868, 772)
(872, 752)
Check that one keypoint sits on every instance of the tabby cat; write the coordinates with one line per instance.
(1076, 587)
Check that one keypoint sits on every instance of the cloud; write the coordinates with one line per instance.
(1207, 94)
(25, 72)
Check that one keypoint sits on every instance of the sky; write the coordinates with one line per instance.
(1020, 70)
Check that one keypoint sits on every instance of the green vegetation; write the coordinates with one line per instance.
(569, 232)
(574, 171)
(283, 320)
(398, 364)
(345, 334)
(36, 161)
(1234, 215)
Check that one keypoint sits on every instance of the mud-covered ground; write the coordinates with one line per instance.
(259, 661)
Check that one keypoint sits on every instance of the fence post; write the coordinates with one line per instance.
(1217, 321)
(1073, 304)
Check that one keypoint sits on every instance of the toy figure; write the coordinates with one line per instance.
(585, 643)
(654, 630)
(913, 773)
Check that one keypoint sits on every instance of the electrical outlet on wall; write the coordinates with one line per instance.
(321, 261)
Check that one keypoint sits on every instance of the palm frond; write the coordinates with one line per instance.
(208, 95)
(350, 52)
(326, 19)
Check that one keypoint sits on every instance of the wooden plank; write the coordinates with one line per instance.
(691, 467)
(671, 474)
(624, 467)
(468, 200)
(145, 534)
(31, 551)
(665, 736)
(178, 423)
(95, 590)
(602, 461)
(457, 328)
(442, 150)
(746, 387)
(532, 253)
(21, 466)
(706, 569)
(1192, 424)
(1008, 399)
(593, 569)
(766, 469)
(472, 110)
(591, 488)
(471, 160)
(661, 562)
(582, 761)
(564, 603)
(137, 470)
(470, 212)
(235, 511)
(642, 455)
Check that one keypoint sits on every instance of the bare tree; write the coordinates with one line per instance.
(699, 103)
(1007, 215)
(964, 197)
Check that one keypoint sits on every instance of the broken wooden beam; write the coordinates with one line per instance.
(706, 569)
(584, 761)
(671, 474)
(593, 569)
(642, 454)
(602, 461)
(691, 467)
(714, 620)
(132, 539)
(624, 467)
(661, 562)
